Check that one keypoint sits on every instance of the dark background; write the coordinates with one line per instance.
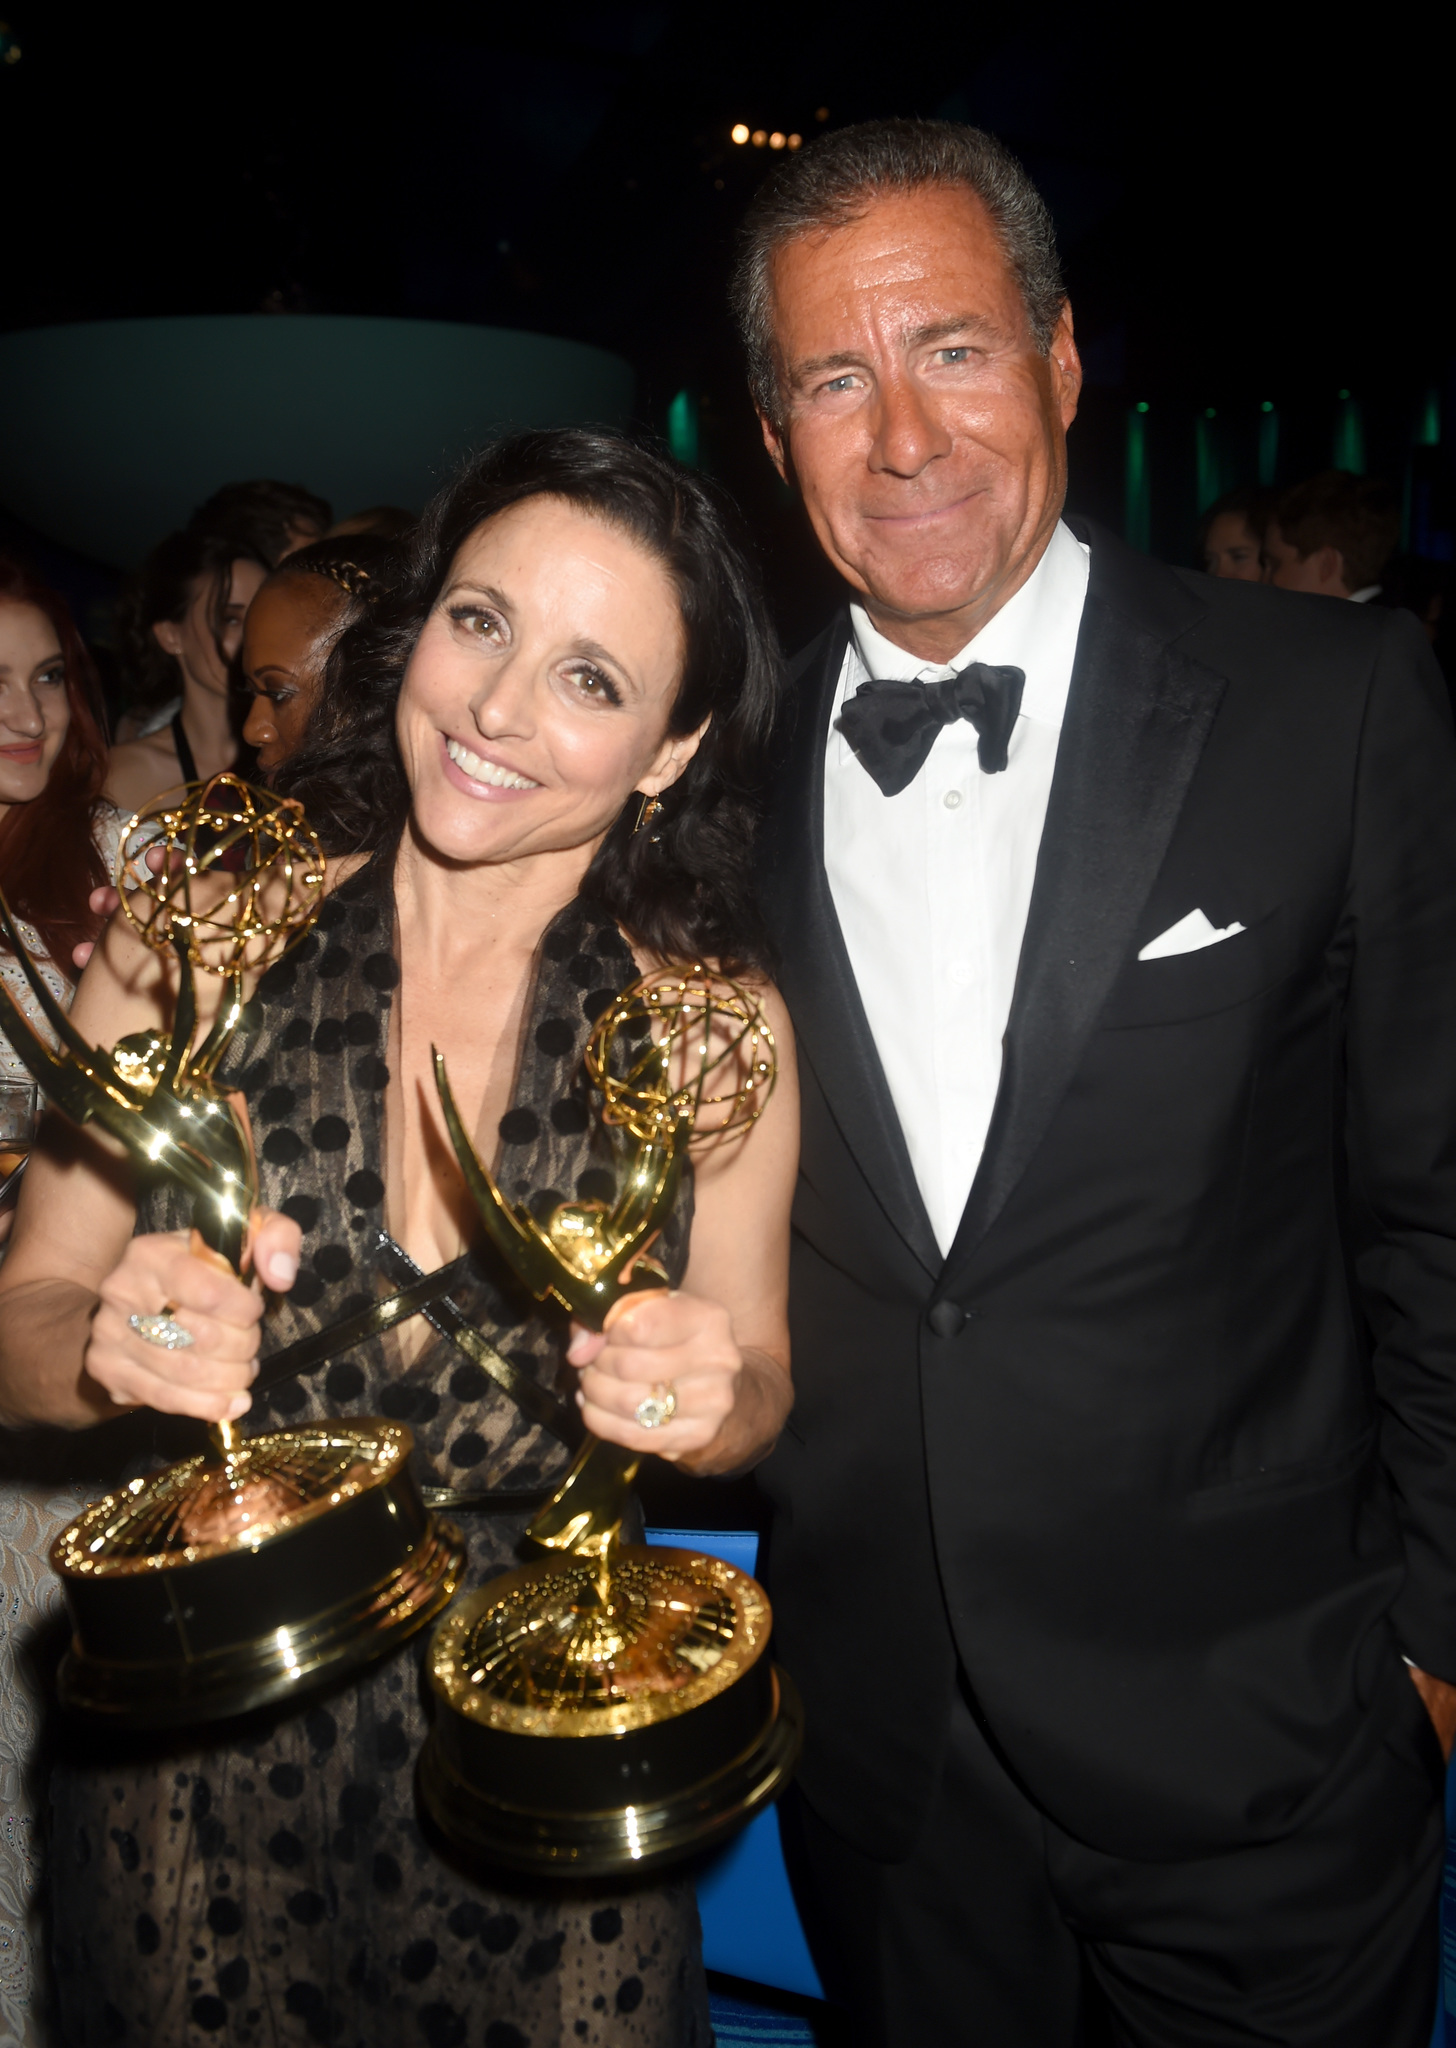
(1253, 206)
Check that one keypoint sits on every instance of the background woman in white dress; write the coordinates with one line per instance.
(57, 842)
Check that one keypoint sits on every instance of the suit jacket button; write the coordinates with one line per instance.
(947, 1319)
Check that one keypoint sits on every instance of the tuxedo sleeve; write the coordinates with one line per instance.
(1399, 939)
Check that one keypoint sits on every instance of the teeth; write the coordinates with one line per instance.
(486, 771)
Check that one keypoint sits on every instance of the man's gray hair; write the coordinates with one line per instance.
(835, 179)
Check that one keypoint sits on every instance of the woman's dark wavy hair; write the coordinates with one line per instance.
(163, 588)
(684, 887)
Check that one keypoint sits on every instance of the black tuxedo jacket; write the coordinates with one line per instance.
(1164, 1452)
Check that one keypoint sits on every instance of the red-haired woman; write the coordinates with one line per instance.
(57, 839)
(57, 834)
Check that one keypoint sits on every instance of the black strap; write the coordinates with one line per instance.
(323, 1345)
(533, 1400)
(186, 760)
(496, 1500)
(426, 1294)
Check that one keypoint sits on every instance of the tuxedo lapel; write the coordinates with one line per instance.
(1138, 714)
(815, 975)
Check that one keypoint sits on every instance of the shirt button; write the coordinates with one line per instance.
(952, 799)
(960, 973)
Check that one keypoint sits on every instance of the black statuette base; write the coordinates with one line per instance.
(673, 1815)
(278, 1664)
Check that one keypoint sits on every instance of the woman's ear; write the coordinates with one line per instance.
(672, 758)
(168, 635)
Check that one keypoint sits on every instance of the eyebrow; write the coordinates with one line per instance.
(916, 337)
(942, 330)
(37, 668)
(594, 651)
(468, 587)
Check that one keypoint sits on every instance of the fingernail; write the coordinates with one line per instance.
(580, 1399)
(240, 1405)
(283, 1269)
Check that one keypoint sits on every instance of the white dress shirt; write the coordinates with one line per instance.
(932, 886)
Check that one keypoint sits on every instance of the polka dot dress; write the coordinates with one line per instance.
(270, 1882)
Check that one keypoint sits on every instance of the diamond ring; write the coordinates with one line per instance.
(656, 1408)
(163, 1330)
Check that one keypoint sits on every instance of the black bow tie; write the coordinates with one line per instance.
(893, 726)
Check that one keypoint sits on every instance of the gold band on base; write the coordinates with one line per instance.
(272, 1667)
(614, 1840)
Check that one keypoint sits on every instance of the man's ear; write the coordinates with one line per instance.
(672, 758)
(1343, 571)
(773, 440)
(1066, 365)
(168, 635)
(1331, 568)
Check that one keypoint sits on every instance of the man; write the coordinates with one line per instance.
(1117, 915)
(1332, 536)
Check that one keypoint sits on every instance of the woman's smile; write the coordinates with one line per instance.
(479, 776)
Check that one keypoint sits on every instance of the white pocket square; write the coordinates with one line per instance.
(1189, 935)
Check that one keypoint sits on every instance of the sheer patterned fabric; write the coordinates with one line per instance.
(273, 1885)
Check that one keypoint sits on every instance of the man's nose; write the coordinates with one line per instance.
(908, 434)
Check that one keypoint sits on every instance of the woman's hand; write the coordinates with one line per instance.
(172, 1271)
(101, 903)
(653, 1342)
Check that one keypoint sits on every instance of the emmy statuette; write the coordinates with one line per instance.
(231, 1579)
(611, 1706)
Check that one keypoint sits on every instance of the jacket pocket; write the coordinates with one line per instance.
(1277, 1483)
(1188, 985)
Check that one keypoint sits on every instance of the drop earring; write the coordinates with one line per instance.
(647, 811)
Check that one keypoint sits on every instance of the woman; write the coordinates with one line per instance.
(57, 840)
(297, 617)
(1231, 535)
(270, 517)
(574, 649)
(181, 625)
(58, 836)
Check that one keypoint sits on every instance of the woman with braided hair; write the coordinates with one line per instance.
(299, 615)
